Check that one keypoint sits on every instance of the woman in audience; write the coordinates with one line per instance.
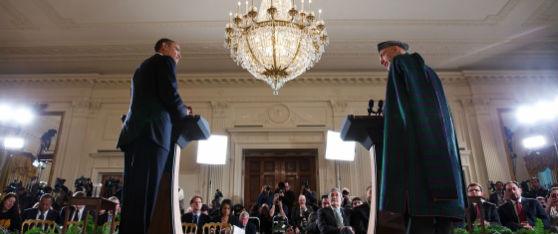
(266, 220)
(552, 208)
(225, 215)
(9, 215)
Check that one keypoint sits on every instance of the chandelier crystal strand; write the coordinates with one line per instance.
(276, 43)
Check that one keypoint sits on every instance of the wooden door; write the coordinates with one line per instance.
(274, 166)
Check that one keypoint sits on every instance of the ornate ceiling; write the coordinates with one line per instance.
(107, 36)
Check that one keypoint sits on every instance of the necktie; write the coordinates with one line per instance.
(41, 216)
(195, 219)
(478, 211)
(520, 213)
(338, 217)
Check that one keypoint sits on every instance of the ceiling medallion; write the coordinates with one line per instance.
(277, 43)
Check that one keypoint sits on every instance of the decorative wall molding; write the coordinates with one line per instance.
(93, 80)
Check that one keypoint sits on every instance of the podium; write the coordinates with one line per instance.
(166, 215)
(368, 130)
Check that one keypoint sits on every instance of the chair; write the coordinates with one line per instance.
(112, 229)
(253, 219)
(213, 228)
(189, 227)
(43, 224)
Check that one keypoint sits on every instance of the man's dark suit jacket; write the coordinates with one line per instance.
(327, 223)
(31, 213)
(359, 218)
(72, 209)
(250, 228)
(296, 220)
(490, 212)
(494, 198)
(203, 219)
(155, 103)
(532, 210)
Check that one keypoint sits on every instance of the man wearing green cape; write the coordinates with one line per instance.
(421, 168)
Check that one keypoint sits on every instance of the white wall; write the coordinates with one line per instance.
(297, 118)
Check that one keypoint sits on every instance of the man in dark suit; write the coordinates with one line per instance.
(333, 219)
(43, 212)
(77, 213)
(490, 211)
(301, 214)
(361, 214)
(521, 212)
(196, 216)
(249, 228)
(497, 197)
(145, 137)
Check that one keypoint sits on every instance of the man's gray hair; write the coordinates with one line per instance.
(330, 191)
(301, 195)
(243, 214)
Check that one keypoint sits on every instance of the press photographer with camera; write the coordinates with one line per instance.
(301, 215)
(311, 200)
(277, 206)
(265, 196)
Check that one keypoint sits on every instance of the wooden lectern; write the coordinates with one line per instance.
(166, 215)
(368, 130)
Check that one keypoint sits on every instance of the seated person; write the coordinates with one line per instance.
(77, 213)
(490, 211)
(9, 215)
(333, 219)
(361, 214)
(521, 212)
(497, 197)
(43, 211)
(225, 214)
(108, 216)
(312, 227)
(301, 214)
(248, 227)
(196, 216)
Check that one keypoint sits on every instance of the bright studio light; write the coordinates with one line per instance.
(543, 110)
(213, 150)
(13, 143)
(337, 149)
(534, 142)
(21, 115)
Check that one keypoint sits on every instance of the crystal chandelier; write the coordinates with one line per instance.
(277, 43)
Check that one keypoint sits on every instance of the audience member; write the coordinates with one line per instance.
(301, 215)
(312, 227)
(361, 214)
(25, 199)
(289, 196)
(346, 200)
(311, 197)
(542, 201)
(333, 219)
(205, 209)
(196, 216)
(109, 216)
(497, 197)
(237, 209)
(265, 196)
(490, 211)
(43, 211)
(77, 213)
(225, 214)
(536, 189)
(248, 227)
(277, 208)
(9, 215)
(356, 202)
(266, 220)
(521, 212)
(552, 208)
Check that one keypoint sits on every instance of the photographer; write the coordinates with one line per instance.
(301, 215)
(311, 200)
(346, 203)
(265, 196)
(277, 206)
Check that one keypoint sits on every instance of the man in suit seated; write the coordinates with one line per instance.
(521, 212)
(43, 212)
(361, 214)
(490, 211)
(301, 214)
(196, 216)
(77, 213)
(497, 197)
(333, 219)
(312, 227)
(249, 228)
(108, 216)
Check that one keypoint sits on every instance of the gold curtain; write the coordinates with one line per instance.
(19, 167)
